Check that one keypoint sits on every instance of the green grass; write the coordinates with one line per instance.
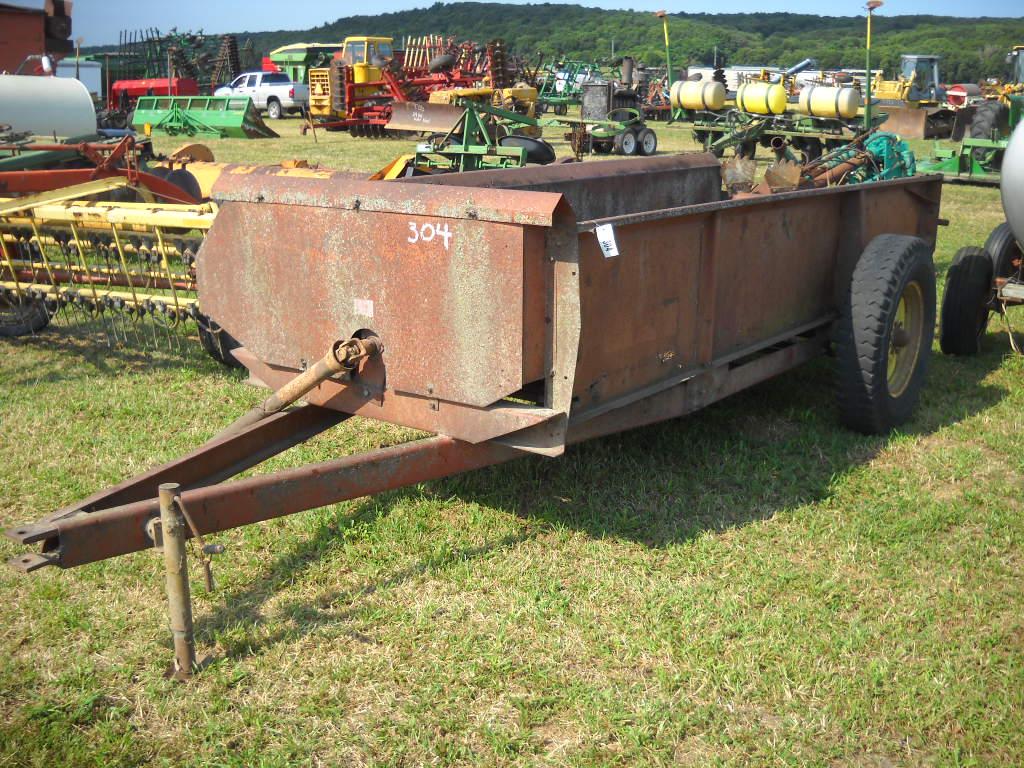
(751, 585)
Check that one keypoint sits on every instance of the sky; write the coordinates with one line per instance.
(99, 21)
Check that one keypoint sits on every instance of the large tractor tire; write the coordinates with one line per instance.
(885, 334)
(967, 302)
(991, 120)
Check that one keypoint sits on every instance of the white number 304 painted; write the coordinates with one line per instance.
(426, 232)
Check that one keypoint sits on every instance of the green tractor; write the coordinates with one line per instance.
(979, 158)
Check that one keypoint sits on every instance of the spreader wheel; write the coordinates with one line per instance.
(21, 316)
(885, 333)
(967, 302)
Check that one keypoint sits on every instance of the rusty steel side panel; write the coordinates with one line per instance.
(337, 190)
(607, 188)
(696, 285)
(773, 267)
(448, 307)
(639, 309)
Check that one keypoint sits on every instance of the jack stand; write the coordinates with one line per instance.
(179, 598)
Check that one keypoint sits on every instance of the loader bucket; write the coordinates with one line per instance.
(224, 117)
(424, 117)
(918, 122)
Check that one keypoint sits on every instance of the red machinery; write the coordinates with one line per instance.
(105, 161)
(356, 92)
(124, 93)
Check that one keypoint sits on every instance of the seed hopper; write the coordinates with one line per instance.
(516, 312)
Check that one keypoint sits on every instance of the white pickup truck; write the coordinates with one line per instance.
(269, 91)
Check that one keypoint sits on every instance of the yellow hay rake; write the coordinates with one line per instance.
(125, 269)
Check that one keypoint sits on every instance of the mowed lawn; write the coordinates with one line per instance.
(751, 585)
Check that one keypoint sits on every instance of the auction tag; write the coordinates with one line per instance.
(606, 239)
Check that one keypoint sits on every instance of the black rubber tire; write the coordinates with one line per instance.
(966, 302)
(1004, 250)
(625, 143)
(218, 343)
(561, 109)
(991, 119)
(538, 151)
(602, 147)
(185, 181)
(746, 149)
(885, 269)
(811, 149)
(22, 317)
(441, 63)
(274, 110)
(647, 142)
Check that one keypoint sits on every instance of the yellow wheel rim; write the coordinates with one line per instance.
(905, 339)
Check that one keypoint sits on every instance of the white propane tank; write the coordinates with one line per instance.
(1011, 185)
(46, 106)
(827, 101)
(697, 95)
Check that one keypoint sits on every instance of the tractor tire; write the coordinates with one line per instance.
(647, 142)
(810, 149)
(966, 303)
(186, 182)
(441, 63)
(991, 120)
(561, 109)
(746, 150)
(274, 111)
(884, 334)
(625, 143)
(22, 317)
(218, 343)
(1005, 253)
(538, 151)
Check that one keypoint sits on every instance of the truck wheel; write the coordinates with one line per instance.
(274, 109)
(625, 143)
(1005, 253)
(885, 333)
(647, 141)
(218, 343)
(22, 316)
(966, 303)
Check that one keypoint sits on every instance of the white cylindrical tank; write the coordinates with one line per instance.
(46, 106)
(1011, 184)
(826, 101)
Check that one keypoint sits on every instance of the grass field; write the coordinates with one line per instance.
(751, 585)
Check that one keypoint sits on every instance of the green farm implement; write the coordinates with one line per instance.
(979, 159)
(223, 117)
(561, 85)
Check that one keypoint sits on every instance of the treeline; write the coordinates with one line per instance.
(971, 48)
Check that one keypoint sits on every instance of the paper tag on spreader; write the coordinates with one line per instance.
(606, 239)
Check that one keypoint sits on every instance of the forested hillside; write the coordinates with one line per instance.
(971, 48)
